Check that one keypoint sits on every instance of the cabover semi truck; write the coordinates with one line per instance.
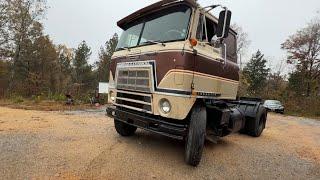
(175, 73)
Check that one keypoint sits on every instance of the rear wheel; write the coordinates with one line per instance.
(124, 129)
(196, 135)
(255, 127)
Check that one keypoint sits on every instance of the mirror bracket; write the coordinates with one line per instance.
(225, 54)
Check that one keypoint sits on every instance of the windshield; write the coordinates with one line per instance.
(273, 102)
(167, 25)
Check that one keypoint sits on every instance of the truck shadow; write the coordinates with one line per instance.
(143, 148)
(220, 143)
(153, 141)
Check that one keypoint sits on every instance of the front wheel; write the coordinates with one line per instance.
(124, 129)
(196, 135)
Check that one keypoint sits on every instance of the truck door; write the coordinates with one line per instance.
(207, 61)
(212, 73)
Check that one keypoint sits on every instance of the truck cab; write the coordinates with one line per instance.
(175, 73)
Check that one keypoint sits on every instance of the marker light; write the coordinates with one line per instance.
(193, 42)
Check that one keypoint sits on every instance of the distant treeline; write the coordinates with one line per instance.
(31, 65)
(300, 89)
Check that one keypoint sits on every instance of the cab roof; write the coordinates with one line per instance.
(152, 8)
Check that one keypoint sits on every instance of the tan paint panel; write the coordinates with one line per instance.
(172, 46)
(202, 83)
(181, 106)
(111, 80)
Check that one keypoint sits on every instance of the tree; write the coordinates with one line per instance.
(64, 75)
(243, 86)
(296, 81)
(45, 65)
(4, 25)
(83, 74)
(38, 67)
(243, 41)
(24, 28)
(23, 15)
(105, 55)
(303, 50)
(4, 79)
(255, 73)
(276, 86)
(35, 70)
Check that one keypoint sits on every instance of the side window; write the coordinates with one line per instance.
(231, 42)
(206, 29)
(211, 29)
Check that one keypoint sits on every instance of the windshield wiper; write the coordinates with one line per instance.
(123, 48)
(156, 42)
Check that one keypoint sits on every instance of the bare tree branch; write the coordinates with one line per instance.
(303, 50)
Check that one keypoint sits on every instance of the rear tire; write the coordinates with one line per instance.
(255, 127)
(196, 135)
(124, 129)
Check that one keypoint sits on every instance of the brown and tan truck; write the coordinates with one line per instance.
(175, 73)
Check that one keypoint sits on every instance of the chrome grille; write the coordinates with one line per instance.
(134, 79)
(134, 83)
(135, 101)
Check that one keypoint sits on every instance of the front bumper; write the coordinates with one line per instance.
(275, 110)
(152, 123)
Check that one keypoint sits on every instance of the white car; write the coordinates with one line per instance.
(274, 106)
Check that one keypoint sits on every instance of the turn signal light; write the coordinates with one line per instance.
(193, 42)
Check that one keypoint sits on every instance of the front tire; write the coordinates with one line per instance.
(124, 129)
(196, 135)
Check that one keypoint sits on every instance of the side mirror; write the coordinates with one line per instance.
(224, 24)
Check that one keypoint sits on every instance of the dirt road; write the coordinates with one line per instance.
(75, 145)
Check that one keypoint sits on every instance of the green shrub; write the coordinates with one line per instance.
(58, 97)
(303, 106)
(17, 99)
(36, 99)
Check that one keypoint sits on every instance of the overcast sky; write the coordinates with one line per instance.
(268, 22)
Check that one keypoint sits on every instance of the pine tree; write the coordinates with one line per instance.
(65, 56)
(256, 72)
(105, 55)
(46, 61)
(83, 75)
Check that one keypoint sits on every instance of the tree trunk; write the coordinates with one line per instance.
(308, 88)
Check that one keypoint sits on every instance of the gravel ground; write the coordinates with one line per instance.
(84, 145)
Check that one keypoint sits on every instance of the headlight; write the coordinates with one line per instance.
(112, 96)
(165, 106)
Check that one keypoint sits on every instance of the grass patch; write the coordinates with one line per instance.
(42, 105)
